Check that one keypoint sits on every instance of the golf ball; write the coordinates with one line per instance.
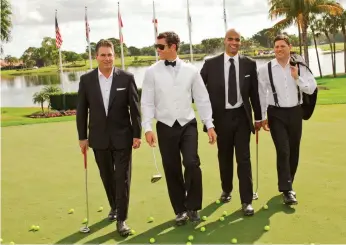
(152, 240)
(265, 206)
(188, 243)
(36, 228)
(133, 232)
(224, 213)
(85, 220)
(151, 219)
(204, 218)
(203, 228)
(190, 238)
(217, 201)
(234, 240)
(222, 218)
(267, 228)
(71, 211)
(100, 209)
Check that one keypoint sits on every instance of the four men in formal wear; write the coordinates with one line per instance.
(231, 81)
(226, 92)
(167, 92)
(108, 96)
(280, 90)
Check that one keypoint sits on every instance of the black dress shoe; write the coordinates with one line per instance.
(289, 198)
(193, 216)
(112, 215)
(225, 197)
(123, 228)
(247, 209)
(181, 218)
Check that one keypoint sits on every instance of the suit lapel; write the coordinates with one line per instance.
(97, 86)
(221, 68)
(241, 71)
(113, 91)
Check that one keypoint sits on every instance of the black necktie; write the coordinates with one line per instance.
(232, 84)
(170, 63)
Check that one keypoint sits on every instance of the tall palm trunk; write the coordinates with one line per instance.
(344, 34)
(330, 45)
(305, 43)
(318, 57)
(300, 39)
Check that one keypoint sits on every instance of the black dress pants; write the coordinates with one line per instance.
(286, 131)
(233, 133)
(185, 190)
(115, 171)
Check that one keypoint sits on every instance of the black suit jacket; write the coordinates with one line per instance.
(214, 78)
(123, 122)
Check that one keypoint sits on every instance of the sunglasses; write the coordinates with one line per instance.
(160, 46)
(235, 39)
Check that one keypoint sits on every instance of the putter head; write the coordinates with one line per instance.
(84, 229)
(155, 178)
(255, 196)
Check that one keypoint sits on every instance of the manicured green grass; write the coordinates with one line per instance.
(335, 92)
(43, 177)
(14, 116)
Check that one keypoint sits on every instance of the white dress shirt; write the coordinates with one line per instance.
(285, 85)
(167, 94)
(105, 85)
(227, 66)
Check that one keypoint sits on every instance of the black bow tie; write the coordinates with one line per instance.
(170, 63)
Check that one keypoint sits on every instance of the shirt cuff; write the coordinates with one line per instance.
(209, 124)
(147, 127)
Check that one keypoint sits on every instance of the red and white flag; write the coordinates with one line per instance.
(87, 27)
(155, 26)
(120, 23)
(58, 37)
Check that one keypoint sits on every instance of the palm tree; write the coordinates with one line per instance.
(297, 12)
(6, 22)
(315, 33)
(40, 98)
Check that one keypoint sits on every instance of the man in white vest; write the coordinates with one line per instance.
(168, 89)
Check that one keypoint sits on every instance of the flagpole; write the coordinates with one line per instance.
(155, 28)
(189, 25)
(88, 38)
(224, 15)
(60, 61)
(121, 39)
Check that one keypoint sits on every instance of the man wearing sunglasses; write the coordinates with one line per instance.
(231, 80)
(167, 92)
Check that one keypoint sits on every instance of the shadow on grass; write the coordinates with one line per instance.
(244, 229)
(77, 236)
(168, 226)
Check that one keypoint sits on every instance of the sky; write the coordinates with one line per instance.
(34, 19)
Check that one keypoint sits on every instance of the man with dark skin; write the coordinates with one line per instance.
(231, 80)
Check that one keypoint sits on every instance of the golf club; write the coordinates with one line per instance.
(157, 176)
(255, 195)
(86, 229)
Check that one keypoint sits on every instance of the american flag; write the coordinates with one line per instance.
(120, 22)
(58, 38)
(87, 27)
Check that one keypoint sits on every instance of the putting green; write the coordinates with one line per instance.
(43, 179)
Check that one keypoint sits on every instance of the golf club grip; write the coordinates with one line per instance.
(85, 159)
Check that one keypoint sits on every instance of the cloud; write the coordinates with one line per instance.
(33, 20)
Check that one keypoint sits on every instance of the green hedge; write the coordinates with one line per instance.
(57, 100)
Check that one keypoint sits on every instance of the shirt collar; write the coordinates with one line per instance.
(227, 57)
(276, 63)
(100, 74)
